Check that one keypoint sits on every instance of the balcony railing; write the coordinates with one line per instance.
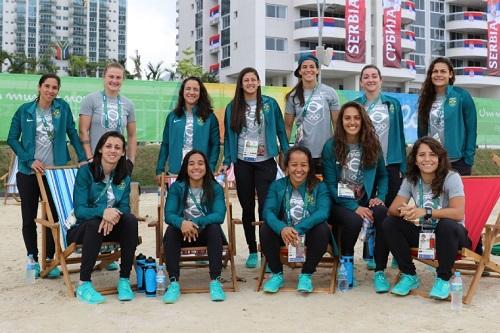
(467, 16)
(308, 22)
(408, 34)
(469, 43)
(471, 71)
(214, 14)
(337, 55)
(409, 5)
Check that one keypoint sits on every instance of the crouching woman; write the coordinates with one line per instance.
(101, 202)
(296, 206)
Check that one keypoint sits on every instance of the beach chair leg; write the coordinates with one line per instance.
(262, 272)
(233, 271)
(333, 282)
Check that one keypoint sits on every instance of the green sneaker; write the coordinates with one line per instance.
(440, 289)
(125, 292)
(173, 293)
(87, 294)
(370, 264)
(216, 291)
(252, 260)
(380, 282)
(54, 273)
(394, 263)
(112, 266)
(37, 270)
(304, 284)
(274, 283)
(406, 283)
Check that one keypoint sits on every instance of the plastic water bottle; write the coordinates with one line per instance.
(161, 280)
(150, 277)
(140, 260)
(364, 229)
(30, 270)
(342, 283)
(456, 289)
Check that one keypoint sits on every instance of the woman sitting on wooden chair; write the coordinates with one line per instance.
(434, 224)
(194, 210)
(297, 206)
(101, 202)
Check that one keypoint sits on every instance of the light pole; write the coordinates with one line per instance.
(320, 50)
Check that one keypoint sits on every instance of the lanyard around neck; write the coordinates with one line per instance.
(373, 104)
(106, 113)
(435, 201)
(306, 105)
(196, 202)
(288, 195)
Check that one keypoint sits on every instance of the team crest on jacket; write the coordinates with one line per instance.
(452, 101)
(122, 185)
(200, 121)
(56, 113)
(265, 107)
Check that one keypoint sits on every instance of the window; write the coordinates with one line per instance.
(276, 44)
(276, 11)
(226, 52)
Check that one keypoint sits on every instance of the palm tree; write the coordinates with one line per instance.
(17, 63)
(137, 65)
(154, 71)
(3, 56)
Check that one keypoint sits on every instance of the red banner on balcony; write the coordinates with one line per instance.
(493, 26)
(355, 41)
(392, 33)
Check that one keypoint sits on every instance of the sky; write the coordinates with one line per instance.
(151, 30)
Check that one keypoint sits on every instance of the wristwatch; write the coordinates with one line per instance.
(428, 213)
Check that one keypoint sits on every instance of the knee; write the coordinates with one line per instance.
(266, 233)
(320, 233)
(447, 227)
(390, 223)
(380, 213)
(213, 230)
(129, 221)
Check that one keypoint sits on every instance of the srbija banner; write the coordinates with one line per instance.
(392, 33)
(355, 40)
(493, 25)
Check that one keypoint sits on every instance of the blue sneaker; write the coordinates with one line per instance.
(54, 273)
(216, 291)
(405, 284)
(87, 294)
(252, 260)
(112, 266)
(440, 289)
(125, 292)
(304, 283)
(380, 282)
(173, 293)
(37, 270)
(370, 264)
(274, 283)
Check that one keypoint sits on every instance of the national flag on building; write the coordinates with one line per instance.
(62, 49)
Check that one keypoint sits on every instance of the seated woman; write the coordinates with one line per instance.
(194, 211)
(296, 205)
(101, 203)
(355, 173)
(438, 194)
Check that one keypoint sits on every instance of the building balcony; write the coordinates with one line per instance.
(406, 72)
(214, 44)
(408, 12)
(408, 42)
(312, 3)
(467, 48)
(475, 77)
(214, 68)
(467, 21)
(308, 28)
(214, 15)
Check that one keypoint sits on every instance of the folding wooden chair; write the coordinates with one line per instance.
(9, 179)
(481, 196)
(61, 182)
(195, 256)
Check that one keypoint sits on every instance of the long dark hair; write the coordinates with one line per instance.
(428, 92)
(203, 106)
(238, 119)
(368, 139)
(208, 178)
(444, 166)
(120, 171)
(44, 78)
(311, 179)
(297, 92)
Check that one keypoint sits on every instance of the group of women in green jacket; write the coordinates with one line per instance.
(347, 168)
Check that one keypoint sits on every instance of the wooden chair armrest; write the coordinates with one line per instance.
(493, 228)
(153, 223)
(47, 223)
(257, 223)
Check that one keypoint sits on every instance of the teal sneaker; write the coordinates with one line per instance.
(370, 264)
(440, 289)
(304, 284)
(252, 260)
(54, 273)
(394, 263)
(406, 283)
(87, 294)
(274, 283)
(216, 291)
(112, 266)
(125, 292)
(37, 270)
(173, 293)
(380, 282)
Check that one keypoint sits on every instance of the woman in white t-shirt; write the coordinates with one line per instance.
(438, 211)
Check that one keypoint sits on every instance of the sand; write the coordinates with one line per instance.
(45, 306)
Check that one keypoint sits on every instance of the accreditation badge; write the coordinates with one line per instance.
(344, 191)
(427, 245)
(297, 253)
(250, 150)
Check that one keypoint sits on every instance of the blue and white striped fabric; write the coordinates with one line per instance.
(61, 183)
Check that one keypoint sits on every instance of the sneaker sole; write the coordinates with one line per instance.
(90, 302)
(401, 294)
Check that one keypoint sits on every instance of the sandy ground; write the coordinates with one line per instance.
(46, 307)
